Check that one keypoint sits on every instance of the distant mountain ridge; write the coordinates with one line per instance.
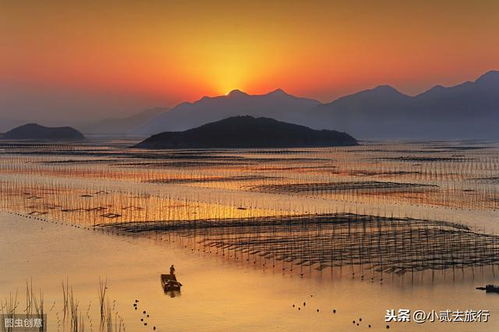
(121, 126)
(247, 132)
(276, 104)
(467, 110)
(464, 111)
(34, 131)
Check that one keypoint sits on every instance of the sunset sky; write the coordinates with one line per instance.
(88, 59)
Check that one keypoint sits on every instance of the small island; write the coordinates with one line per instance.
(247, 132)
(33, 131)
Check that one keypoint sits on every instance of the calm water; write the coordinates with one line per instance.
(217, 295)
(63, 196)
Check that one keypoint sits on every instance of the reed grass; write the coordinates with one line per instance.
(74, 319)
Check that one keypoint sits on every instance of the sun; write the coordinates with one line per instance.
(229, 75)
(229, 79)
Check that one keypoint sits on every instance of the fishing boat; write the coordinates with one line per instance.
(489, 288)
(170, 283)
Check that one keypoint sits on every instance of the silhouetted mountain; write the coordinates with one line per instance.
(464, 101)
(33, 131)
(121, 126)
(277, 104)
(467, 110)
(359, 111)
(247, 132)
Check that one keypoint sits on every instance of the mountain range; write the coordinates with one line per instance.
(277, 105)
(465, 111)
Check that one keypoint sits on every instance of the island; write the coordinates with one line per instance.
(247, 132)
(34, 131)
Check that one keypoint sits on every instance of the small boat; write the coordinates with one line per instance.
(170, 283)
(489, 289)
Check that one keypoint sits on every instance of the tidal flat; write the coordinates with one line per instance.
(254, 233)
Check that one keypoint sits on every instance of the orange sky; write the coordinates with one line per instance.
(128, 54)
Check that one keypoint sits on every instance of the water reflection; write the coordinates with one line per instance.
(172, 293)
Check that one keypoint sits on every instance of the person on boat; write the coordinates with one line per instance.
(172, 272)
